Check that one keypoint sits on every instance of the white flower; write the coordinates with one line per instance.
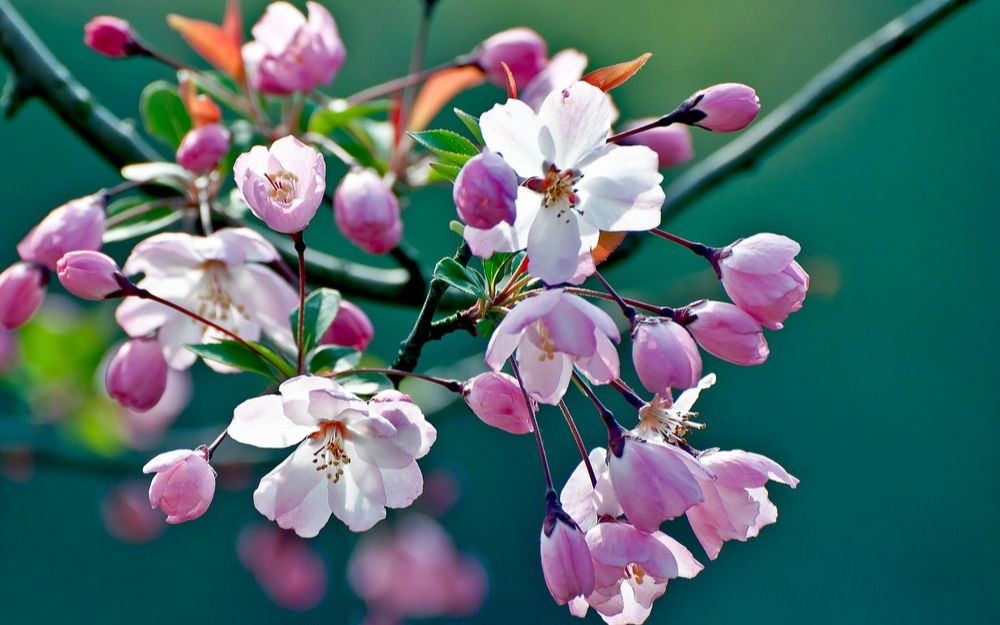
(576, 183)
(354, 459)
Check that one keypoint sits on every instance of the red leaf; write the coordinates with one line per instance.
(201, 108)
(439, 89)
(511, 85)
(220, 46)
(606, 244)
(607, 78)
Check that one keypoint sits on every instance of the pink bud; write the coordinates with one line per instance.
(497, 399)
(111, 36)
(89, 275)
(367, 212)
(664, 355)
(137, 375)
(485, 190)
(729, 333)
(283, 185)
(22, 289)
(202, 148)
(726, 107)
(76, 225)
(522, 49)
(350, 328)
(184, 484)
(566, 563)
(761, 276)
(671, 143)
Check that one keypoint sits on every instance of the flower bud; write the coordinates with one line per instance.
(283, 185)
(350, 328)
(184, 484)
(111, 36)
(761, 276)
(566, 563)
(522, 49)
(485, 190)
(664, 355)
(367, 212)
(497, 399)
(202, 148)
(727, 332)
(137, 374)
(671, 143)
(89, 275)
(726, 107)
(22, 290)
(76, 225)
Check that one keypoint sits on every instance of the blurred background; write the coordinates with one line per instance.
(876, 394)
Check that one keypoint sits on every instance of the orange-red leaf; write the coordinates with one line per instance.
(607, 78)
(232, 23)
(511, 84)
(202, 109)
(606, 244)
(439, 89)
(214, 43)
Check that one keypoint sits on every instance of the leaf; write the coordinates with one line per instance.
(163, 113)
(496, 266)
(449, 145)
(606, 244)
(235, 354)
(607, 78)
(445, 171)
(325, 120)
(472, 123)
(462, 278)
(142, 224)
(333, 358)
(439, 89)
(457, 227)
(201, 108)
(511, 83)
(321, 308)
(220, 46)
(166, 174)
(364, 383)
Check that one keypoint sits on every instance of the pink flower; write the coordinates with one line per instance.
(522, 49)
(736, 504)
(551, 333)
(726, 107)
(291, 53)
(76, 225)
(761, 276)
(291, 572)
(563, 69)
(222, 276)
(111, 36)
(283, 185)
(22, 290)
(350, 328)
(184, 484)
(367, 212)
(664, 354)
(202, 148)
(497, 399)
(585, 502)
(127, 515)
(89, 275)
(353, 459)
(672, 144)
(566, 563)
(729, 333)
(577, 184)
(137, 375)
(485, 190)
(664, 420)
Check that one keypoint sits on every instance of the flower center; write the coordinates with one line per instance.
(331, 457)
(556, 187)
(635, 572)
(544, 342)
(659, 417)
(282, 186)
(214, 301)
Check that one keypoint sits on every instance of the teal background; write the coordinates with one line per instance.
(877, 394)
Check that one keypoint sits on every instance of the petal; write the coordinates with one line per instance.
(175, 336)
(402, 486)
(295, 494)
(358, 498)
(620, 189)
(545, 379)
(268, 298)
(762, 253)
(685, 402)
(164, 254)
(604, 365)
(556, 253)
(562, 70)
(582, 501)
(571, 330)
(261, 422)
(578, 120)
(139, 317)
(242, 245)
(167, 460)
(504, 237)
(512, 130)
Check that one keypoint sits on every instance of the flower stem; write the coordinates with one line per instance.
(454, 386)
(665, 311)
(534, 426)
(403, 82)
(631, 396)
(300, 249)
(627, 309)
(579, 442)
(606, 415)
(218, 441)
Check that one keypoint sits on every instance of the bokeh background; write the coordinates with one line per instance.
(878, 394)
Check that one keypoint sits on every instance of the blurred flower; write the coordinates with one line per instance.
(202, 148)
(367, 212)
(485, 190)
(283, 185)
(22, 291)
(141, 430)
(664, 354)
(727, 332)
(761, 276)
(89, 275)
(350, 328)
(127, 515)
(672, 144)
(726, 107)
(496, 398)
(184, 484)
(290, 571)
(522, 49)
(76, 225)
(111, 36)
(137, 374)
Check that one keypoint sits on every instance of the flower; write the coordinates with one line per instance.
(111, 36)
(202, 148)
(184, 484)
(144, 429)
(485, 190)
(497, 399)
(551, 333)
(350, 328)
(563, 69)
(672, 144)
(353, 459)
(736, 504)
(89, 275)
(577, 183)
(522, 49)
(291, 53)
(726, 331)
(585, 502)
(22, 291)
(127, 515)
(667, 421)
(367, 212)
(221, 277)
(137, 374)
(288, 569)
(664, 354)
(761, 276)
(724, 108)
(283, 185)
(76, 225)
(566, 563)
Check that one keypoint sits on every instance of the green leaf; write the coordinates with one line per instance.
(444, 171)
(142, 224)
(324, 121)
(163, 113)
(237, 355)
(321, 308)
(457, 227)
(364, 383)
(333, 358)
(497, 266)
(449, 145)
(462, 278)
(472, 123)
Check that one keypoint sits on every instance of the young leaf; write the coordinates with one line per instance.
(321, 307)
(142, 224)
(163, 113)
(445, 171)
(439, 89)
(363, 383)
(607, 78)
(495, 267)
(325, 120)
(333, 358)
(472, 123)
(607, 243)
(449, 145)
(235, 355)
(220, 46)
(462, 278)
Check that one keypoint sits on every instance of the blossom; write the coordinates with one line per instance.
(202, 148)
(127, 515)
(137, 374)
(761, 276)
(521, 49)
(292, 53)
(672, 144)
(664, 354)
(551, 333)
(22, 291)
(283, 185)
(728, 332)
(566, 563)
(724, 108)
(367, 212)
(350, 328)
(76, 225)
(563, 69)
(184, 484)
(485, 190)
(577, 184)
(665, 421)
(353, 459)
(736, 504)
(89, 275)
(221, 277)
(586, 502)
(288, 569)
(497, 399)
(111, 36)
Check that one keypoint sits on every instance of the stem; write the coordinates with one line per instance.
(606, 415)
(404, 82)
(579, 442)
(121, 187)
(332, 147)
(666, 311)
(455, 386)
(631, 396)
(300, 249)
(218, 441)
(627, 309)
(534, 427)
(698, 248)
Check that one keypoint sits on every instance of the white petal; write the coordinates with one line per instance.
(242, 245)
(268, 298)
(261, 422)
(620, 189)
(163, 254)
(358, 498)
(557, 251)
(546, 380)
(563, 69)
(686, 399)
(512, 130)
(295, 494)
(139, 317)
(504, 237)
(578, 120)
(402, 486)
